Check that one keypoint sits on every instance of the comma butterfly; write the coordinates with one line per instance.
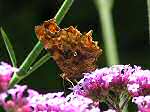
(74, 53)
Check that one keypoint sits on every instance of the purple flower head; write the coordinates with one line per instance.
(5, 75)
(47, 102)
(80, 103)
(17, 99)
(56, 102)
(101, 81)
(143, 103)
(139, 83)
(22, 99)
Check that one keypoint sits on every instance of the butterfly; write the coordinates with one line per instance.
(74, 53)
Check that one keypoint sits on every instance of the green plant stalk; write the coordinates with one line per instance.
(31, 57)
(39, 63)
(105, 9)
(63, 10)
(124, 99)
(17, 77)
(23, 72)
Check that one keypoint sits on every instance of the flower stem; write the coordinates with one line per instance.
(124, 99)
(23, 72)
(104, 8)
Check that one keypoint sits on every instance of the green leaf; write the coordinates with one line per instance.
(9, 48)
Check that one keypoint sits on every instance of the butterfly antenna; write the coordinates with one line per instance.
(70, 81)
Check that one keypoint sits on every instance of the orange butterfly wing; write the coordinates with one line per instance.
(74, 53)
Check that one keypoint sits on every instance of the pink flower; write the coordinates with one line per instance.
(99, 83)
(140, 78)
(56, 102)
(5, 75)
(22, 99)
(17, 99)
(143, 103)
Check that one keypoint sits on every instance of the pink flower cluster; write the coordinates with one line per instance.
(5, 75)
(21, 99)
(115, 80)
(17, 99)
(139, 83)
(95, 86)
(143, 103)
(56, 102)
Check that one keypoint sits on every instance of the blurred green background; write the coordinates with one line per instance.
(19, 17)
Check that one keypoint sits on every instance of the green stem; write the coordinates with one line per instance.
(17, 77)
(124, 99)
(105, 8)
(63, 10)
(39, 63)
(31, 57)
